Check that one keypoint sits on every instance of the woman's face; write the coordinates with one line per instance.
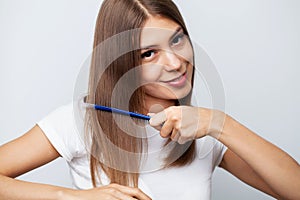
(167, 59)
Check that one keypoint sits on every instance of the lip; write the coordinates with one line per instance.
(178, 81)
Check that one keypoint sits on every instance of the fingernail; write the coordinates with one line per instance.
(151, 114)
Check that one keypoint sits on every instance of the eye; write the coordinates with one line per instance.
(178, 39)
(148, 54)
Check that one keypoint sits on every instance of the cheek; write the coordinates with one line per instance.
(158, 91)
(186, 53)
(150, 73)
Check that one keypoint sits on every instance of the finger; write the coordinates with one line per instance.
(156, 127)
(167, 129)
(158, 119)
(182, 140)
(121, 196)
(132, 192)
(115, 194)
(175, 135)
(151, 114)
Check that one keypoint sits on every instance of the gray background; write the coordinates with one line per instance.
(255, 46)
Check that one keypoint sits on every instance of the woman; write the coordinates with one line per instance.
(161, 68)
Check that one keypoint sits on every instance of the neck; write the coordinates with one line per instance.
(155, 105)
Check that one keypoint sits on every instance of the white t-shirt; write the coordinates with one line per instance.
(191, 182)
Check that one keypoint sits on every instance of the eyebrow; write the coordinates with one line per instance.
(155, 46)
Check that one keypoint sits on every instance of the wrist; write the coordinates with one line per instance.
(229, 130)
(219, 124)
(67, 194)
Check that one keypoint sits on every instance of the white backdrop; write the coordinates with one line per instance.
(255, 46)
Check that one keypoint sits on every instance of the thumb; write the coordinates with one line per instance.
(151, 114)
(157, 119)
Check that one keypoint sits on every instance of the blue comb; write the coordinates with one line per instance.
(119, 111)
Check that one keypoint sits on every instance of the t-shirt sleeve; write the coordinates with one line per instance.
(60, 129)
(218, 153)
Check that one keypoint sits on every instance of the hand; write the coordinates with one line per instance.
(185, 123)
(110, 192)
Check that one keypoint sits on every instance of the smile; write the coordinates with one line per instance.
(177, 82)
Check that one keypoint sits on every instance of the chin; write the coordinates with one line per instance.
(168, 93)
(182, 94)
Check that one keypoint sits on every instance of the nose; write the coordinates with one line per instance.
(171, 61)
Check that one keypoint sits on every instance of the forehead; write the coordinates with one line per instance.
(157, 30)
(160, 22)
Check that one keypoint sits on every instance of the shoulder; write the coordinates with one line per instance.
(63, 131)
(212, 149)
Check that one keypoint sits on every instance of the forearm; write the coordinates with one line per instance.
(12, 189)
(277, 168)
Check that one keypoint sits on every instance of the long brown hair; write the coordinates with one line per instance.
(103, 129)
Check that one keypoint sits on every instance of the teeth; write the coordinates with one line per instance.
(177, 79)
